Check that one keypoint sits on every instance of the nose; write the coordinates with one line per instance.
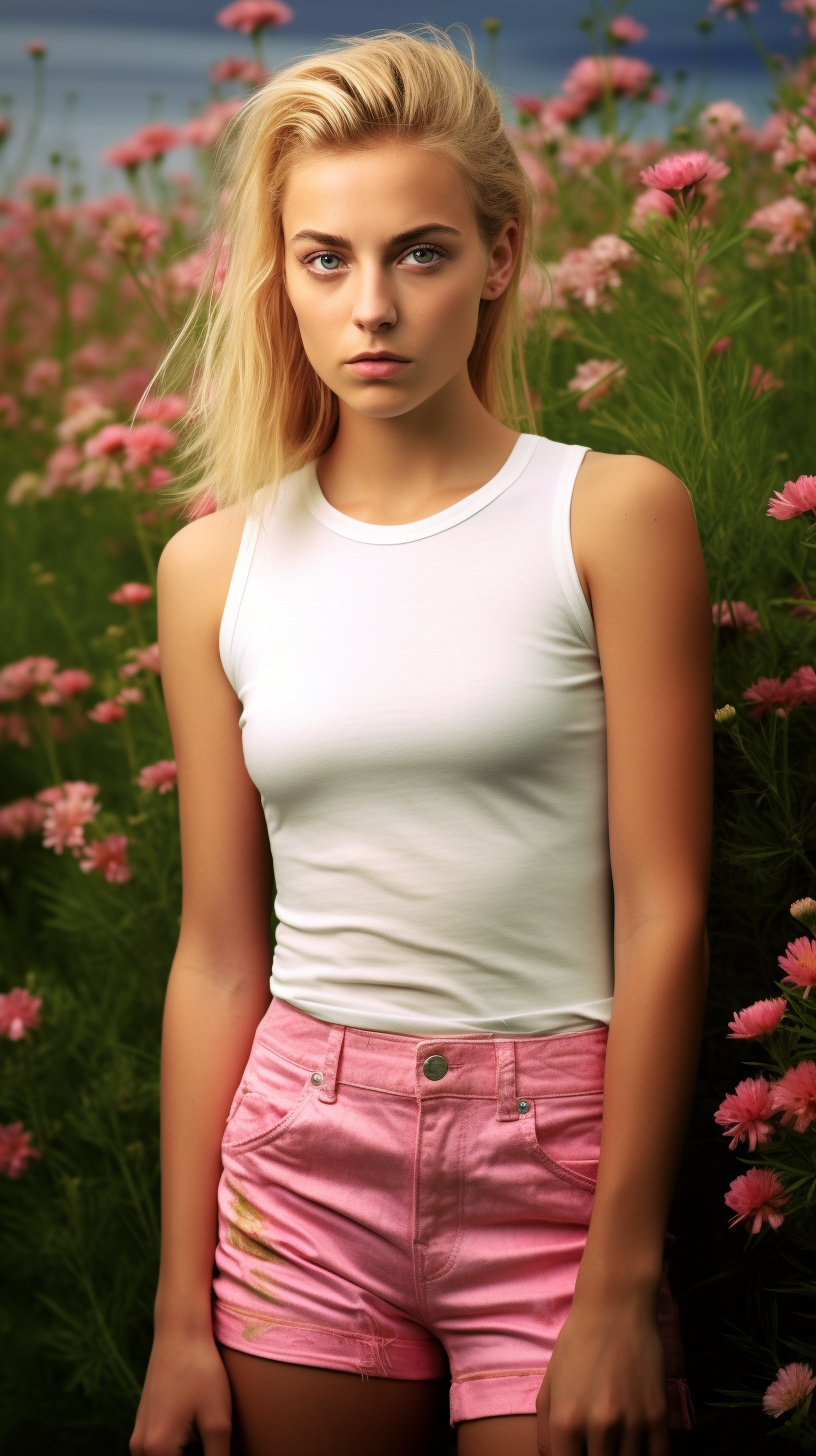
(374, 309)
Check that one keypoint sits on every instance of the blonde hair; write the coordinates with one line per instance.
(258, 410)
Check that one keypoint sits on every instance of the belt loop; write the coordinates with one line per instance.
(506, 1110)
(334, 1046)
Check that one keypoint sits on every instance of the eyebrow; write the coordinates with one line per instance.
(329, 240)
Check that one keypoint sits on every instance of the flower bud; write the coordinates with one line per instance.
(805, 911)
(726, 714)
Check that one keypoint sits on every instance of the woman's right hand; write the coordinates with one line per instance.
(186, 1395)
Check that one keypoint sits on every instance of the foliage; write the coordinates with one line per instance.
(681, 329)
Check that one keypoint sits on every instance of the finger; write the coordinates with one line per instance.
(566, 1437)
(605, 1439)
(215, 1435)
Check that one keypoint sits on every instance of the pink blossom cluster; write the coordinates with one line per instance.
(782, 695)
(132, 236)
(593, 380)
(627, 30)
(237, 68)
(107, 857)
(134, 447)
(793, 1383)
(250, 16)
(684, 173)
(19, 1013)
(41, 678)
(146, 659)
(68, 808)
(799, 964)
(724, 121)
(204, 131)
(762, 381)
(588, 274)
(162, 776)
(16, 1151)
(591, 77)
(14, 729)
(21, 817)
(789, 222)
(736, 614)
(794, 499)
(744, 1115)
(131, 594)
(796, 152)
(149, 144)
(758, 1195)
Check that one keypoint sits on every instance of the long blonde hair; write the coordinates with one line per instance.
(257, 408)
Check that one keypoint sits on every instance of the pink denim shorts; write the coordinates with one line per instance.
(413, 1207)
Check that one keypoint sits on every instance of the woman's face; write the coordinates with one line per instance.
(385, 269)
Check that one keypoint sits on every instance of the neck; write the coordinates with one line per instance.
(392, 471)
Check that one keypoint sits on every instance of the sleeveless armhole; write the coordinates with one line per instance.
(562, 542)
(237, 586)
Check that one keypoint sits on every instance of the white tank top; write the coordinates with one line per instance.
(423, 715)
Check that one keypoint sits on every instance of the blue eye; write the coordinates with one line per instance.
(424, 255)
(329, 262)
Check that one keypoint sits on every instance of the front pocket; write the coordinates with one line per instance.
(564, 1133)
(272, 1094)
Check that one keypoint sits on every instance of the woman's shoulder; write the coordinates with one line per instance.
(197, 564)
(613, 482)
(627, 509)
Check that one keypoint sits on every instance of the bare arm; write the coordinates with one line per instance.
(638, 554)
(218, 988)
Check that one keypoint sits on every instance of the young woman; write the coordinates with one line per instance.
(458, 677)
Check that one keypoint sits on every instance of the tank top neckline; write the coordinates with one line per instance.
(374, 534)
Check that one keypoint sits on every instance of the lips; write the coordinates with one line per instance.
(377, 366)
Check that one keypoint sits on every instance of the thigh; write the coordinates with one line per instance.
(297, 1410)
(498, 1436)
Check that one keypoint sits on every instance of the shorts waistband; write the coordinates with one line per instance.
(508, 1069)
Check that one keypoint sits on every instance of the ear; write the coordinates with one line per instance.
(502, 260)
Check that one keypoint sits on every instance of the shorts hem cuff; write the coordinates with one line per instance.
(360, 1354)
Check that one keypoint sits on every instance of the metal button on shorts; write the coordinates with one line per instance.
(434, 1068)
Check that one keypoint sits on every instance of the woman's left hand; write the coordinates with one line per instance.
(604, 1393)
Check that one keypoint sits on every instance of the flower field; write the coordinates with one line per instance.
(671, 312)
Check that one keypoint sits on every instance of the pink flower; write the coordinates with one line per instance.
(794, 1095)
(806, 9)
(70, 681)
(158, 477)
(742, 1113)
(128, 154)
(146, 657)
(9, 411)
(627, 30)
(528, 106)
(203, 131)
(594, 379)
(805, 911)
(799, 961)
(36, 48)
(587, 274)
(132, 236)
(760, 1019)
(162, 410)
(720, 346)
(772, 693)
(15, 1149)
(760, 1193)
(14, 729)
(652, 201)
(762, 382)
(788, 220)
(235, 68)
(156, 138)
(109, 441)
(736, 614)
(162, 776)
(146, 441)
(684, 171)
(107, 711)
(69, 807)
(41, 376)
(793, 1384)
(131, 594)
(19, 1011)
(129, 695)
(19, 679)
(795, 497)
(248, 16)
(590, 76)
(724, 119)
(21, 817)
(107, 857)
(731, 8)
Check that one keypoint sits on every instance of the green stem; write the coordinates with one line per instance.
(33, 130)
(139, 533)
(695, 328)
(152, 309)
(47, 743)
